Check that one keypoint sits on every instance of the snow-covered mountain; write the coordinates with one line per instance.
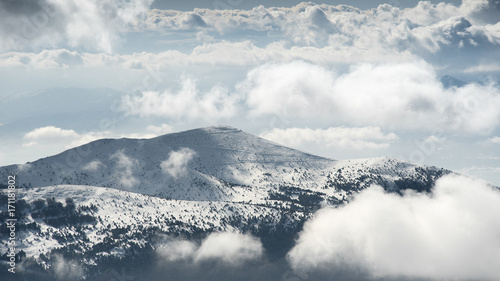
(215, 163)
(108, 201)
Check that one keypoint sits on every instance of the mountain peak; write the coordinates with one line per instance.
(223, 128)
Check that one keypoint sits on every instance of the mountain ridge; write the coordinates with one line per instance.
(223, 161)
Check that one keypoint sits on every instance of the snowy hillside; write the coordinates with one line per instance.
(112, 200)
(215, 163)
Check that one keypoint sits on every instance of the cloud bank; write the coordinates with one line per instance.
(391, 96)
(452, 233)
(450, 36)
(424, 29)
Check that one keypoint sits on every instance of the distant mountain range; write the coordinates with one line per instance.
(107, 203)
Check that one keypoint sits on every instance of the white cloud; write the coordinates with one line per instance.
(124, 169)
(426, 13)
(385, 29)
(188, 103)
(319, 33)
(489, 67)
(82, 139)
(295, 88)
(24, 167)
(58, 58)
(162, 129)
(66, 269)
(49, 132)
(233, 248)
(436, 139)
(166, 20)
(221, 53)
(482, 11)
(51, 135)
(54, 136)
(453, 233)
(178, 250)
(177, 162)
(493, 140)
(66, 139)
(228, 247)
(91, 24)
(391, 96)
(93, 166)
(342, 137)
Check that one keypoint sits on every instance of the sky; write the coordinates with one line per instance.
(344, 79)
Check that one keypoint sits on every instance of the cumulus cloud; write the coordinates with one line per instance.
(288, 89)
(318, 33)
(187, 103)
(58, 58)
(482, 11)
(452, 233)
(55, 136)
(443, 34)
(350, 32)
(227, 247)
(66, 139)
(90, 24)
(177, 162)
(393, 96)
(167, 20)
(124, 169)
(352, 138)
(50, 132)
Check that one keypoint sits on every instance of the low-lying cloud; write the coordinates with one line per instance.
(93, 166)
(227, 247)
(177, 162)
(124, 169)
(452, 233)
(65, 269)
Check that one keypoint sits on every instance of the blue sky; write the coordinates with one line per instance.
(406, 79)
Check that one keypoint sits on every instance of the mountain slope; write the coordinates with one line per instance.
(111, 201)
(215, 163)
